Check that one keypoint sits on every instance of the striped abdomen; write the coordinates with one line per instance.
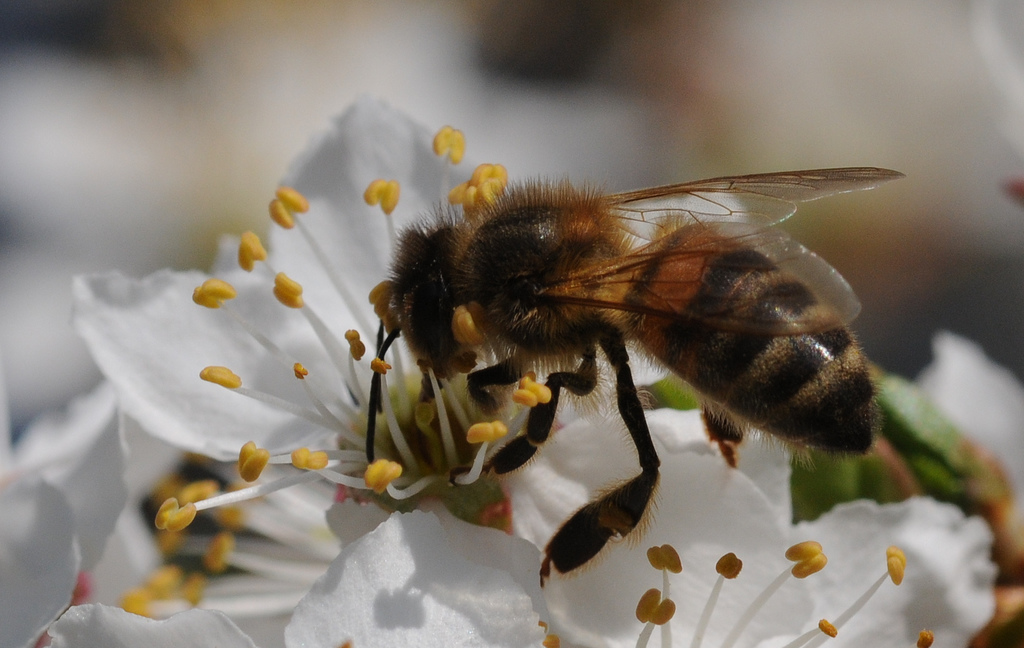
(813, 388)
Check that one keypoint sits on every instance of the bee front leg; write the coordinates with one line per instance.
(521, 449)
(618, 512)
(477, 383)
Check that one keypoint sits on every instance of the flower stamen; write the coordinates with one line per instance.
(809, 559)
(728, 568)
(381, 473)
(896, 563)
(451, 143)
(250, 250)
(447, 438)
(213, 293)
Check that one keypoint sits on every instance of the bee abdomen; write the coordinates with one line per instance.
(812, 388)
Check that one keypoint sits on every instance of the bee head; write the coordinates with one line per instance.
(423, 297)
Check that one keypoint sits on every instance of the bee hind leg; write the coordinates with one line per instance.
(621, 510)
(723, 431)
(521, 449)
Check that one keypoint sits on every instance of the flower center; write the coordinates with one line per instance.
(427, 440)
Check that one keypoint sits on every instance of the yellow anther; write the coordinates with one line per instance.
(213, 292)
(925, 639)
(480, 173)
(648, 605)
(381, 473)
(809, 558)
(451, 142)
(137, 601)
(896, 563)
(443, 140)
(525, 398)
(280, 214)
(198, 491)
(489, 432)
(530, 384)
(464, 325)
(305, 459)
(193, 587)
(729, 566)
(664, 612)
(355, 345)
(174, 518)
(300, 371)
(551, 641)
(164, 581)
(826, 626)
(384, 193)
(251, 461)
(221, 376)
(489, 191)
(293, 200)
(250, 250)
(380, 297)
(803, 551)
(231, 517)
(288, 291)
(813, 565)
(457, 195)
(215, 560)
(665, 557)
(484, 186)
(652, 609)
(379, 366)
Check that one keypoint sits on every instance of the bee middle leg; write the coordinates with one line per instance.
(618, 512)
(518, 451)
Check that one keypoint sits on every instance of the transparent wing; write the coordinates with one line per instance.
(762, 199)
(736, 277)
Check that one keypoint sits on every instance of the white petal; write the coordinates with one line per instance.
(38, 560)
(368, 141)
(89, 626)
(492, 548)
(983, 399)
(949, 577)
(82, 453)
(152, 341)
(703, 508)
(403, 585)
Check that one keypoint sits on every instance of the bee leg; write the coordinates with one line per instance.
(618, 512)
(477, 383)
(521, 449)
(723, 431)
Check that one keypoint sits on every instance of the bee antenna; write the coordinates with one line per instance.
(374, 404)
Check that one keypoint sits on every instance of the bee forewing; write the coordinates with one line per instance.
(761, 199)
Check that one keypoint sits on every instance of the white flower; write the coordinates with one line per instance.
(410, 582)
(706, 509)
(303, 383)
(984, 400)
(61, 492)
(152, 342)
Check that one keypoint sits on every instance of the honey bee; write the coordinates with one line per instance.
(690, 275)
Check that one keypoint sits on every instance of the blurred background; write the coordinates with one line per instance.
(132, 133)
